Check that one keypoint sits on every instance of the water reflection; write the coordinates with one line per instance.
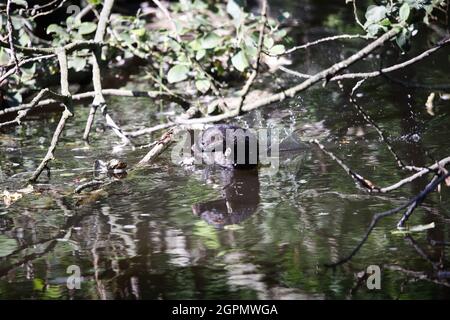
(239, 199)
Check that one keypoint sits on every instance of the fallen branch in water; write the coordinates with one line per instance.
(369, 185)
(22, 114)
(377, 217)
(89, 185)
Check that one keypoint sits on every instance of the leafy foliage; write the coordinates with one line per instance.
(403, 14)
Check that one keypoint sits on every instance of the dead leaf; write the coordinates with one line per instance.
(10, 197)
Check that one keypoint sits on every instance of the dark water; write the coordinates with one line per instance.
(140, 237)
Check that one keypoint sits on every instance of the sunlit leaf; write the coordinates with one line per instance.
(203, 85)
(211, 41)
(177, 73)
(235, 10)
(404, 12)
(277, 49)
(376, 13)
(268, 42)
(239, 61)
(139, 32)
(87, 28)
(95, 2)
(77, 63)
(54, 28)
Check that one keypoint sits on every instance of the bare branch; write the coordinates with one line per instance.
(105, 92)
(374, 74)
(322, 40)
(67, 102)
(99, 99)
(377, 217)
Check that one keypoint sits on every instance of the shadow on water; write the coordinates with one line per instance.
(239, 199)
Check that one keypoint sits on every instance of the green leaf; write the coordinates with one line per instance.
(404, 12)
(277, 49)
(54, 28)
(234, 10)
(200, 54)
(4, 57)
(95, 2)
(195, 45)
(24, 39)
(375, 13)
(77, 63)
(203, 85)
(239, 61)
(268, 42)
(38, 284)
(373, 29)
(7, 245)
(87, 28)
(211, 41)
(28, 73)
(139, 32)
(177, 73)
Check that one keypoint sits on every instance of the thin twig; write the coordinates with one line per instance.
(319, 41)
(11, 71)
(355, 13)
(380, 132)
